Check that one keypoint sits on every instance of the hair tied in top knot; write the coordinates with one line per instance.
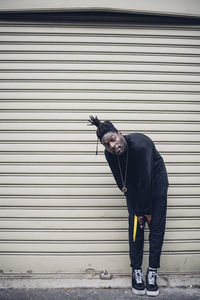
(102, 127)
(94, 121)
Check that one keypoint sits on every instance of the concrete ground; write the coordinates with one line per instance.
(60, 287)
(95, 294)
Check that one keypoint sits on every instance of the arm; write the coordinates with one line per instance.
(114, 169)
(143, 169)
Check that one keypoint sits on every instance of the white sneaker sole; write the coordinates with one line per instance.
(138, 292)
(152, 293)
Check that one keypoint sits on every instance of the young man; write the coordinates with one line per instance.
(140, 173)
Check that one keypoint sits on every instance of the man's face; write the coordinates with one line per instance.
(114, 142)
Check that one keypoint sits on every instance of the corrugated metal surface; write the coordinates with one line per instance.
(60, 208)
(171, 7)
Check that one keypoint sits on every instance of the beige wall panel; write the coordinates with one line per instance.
(124, 43)
(90, 235)
(108, 40)
(96, 95)
(86, 223)
(89, 201)
(99, 159)
(114, 263)
(95, 85)
(84, 191)
(137, 30)
(67, 128)
(85, 148)
(118, 106)
(79, 169)
(60, 208)
(90, 180)
(70, 137)
(94, 49)
(88, 213)
(103, 76)
(99, 86)
(60, 116)
(105, 67)
(95, 58)
(85, 247)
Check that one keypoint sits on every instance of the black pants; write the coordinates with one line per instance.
(156, 235)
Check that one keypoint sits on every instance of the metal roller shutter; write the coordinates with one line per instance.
(60, 208)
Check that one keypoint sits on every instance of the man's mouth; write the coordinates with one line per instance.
(117, 150)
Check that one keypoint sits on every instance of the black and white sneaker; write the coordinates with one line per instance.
(138, 286)
(151, 284)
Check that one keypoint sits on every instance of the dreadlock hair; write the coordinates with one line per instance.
(102, 127)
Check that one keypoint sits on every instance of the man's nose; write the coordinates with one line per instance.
(112, 145)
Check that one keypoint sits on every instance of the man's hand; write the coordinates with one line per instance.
(148, 217)
(141, 221)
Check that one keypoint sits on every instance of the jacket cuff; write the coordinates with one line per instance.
(147, 211)
(139, 214)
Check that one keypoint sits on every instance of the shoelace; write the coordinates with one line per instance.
(138, 276)
(152, 275)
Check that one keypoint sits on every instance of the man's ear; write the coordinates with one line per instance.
(120, 133)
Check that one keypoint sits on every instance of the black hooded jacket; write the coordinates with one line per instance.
(146, 173)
